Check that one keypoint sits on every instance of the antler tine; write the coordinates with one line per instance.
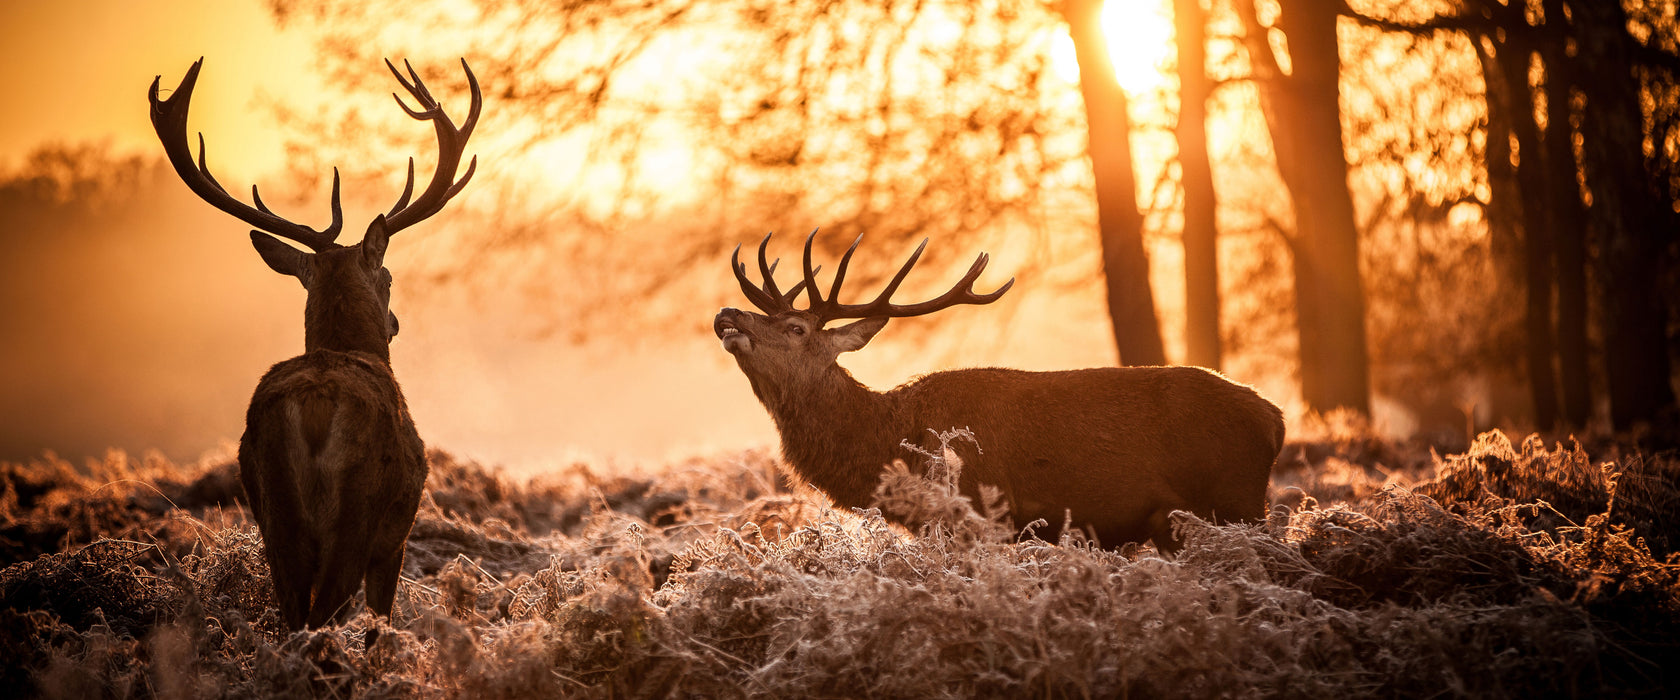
(452, 144)
(962, 293)
(831, 309)
(477, 105)
(169, 120)
(885, 297)
(810, 281)
(840, 273)
(768, 298)
(420, 85)
(202, 166)
(768, 270)
(337, 206)
(408, 191)
(757, 296)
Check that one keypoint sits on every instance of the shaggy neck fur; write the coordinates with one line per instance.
(346, 318)
(820, 422)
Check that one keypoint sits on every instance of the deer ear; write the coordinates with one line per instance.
(282, 258)
(854, 336)
(374, 243)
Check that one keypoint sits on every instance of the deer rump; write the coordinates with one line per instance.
(333, 470)
(1119, 447)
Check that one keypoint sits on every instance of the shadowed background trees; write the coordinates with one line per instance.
(1581, 158)
(1303, 116)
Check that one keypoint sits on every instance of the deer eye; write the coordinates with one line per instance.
(796, 329)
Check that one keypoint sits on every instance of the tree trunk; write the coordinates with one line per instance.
(1539, 240)
(1563, 197)
(1627, 210)
(1303, 114)
(1201, 233)
(1131, 303)
(1518, 202)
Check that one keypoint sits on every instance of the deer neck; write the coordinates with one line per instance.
(837, 434)
(345, 322)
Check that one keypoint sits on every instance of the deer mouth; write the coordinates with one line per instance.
(735, 340)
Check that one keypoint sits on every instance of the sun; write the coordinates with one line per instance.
(1140, 38)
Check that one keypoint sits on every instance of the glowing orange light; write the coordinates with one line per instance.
(1139, 42)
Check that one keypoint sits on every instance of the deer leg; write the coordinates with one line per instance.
(383, 573)
(342, 566)
(384, 570)
(291, 568)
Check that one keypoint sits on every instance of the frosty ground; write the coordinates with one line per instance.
(1508, 570)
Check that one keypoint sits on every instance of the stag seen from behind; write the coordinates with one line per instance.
(331, 463)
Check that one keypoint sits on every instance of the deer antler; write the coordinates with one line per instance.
(768, 298)
(772, 301)
(452, 142)
(831, 309)
(169, 119)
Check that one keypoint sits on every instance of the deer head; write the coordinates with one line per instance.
(785, 347)
(349, 289)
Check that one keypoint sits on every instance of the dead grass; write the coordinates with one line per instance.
(1510, 570)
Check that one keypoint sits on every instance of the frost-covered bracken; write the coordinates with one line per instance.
(1529, 571)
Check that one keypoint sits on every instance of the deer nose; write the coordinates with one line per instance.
(727, 320)
(727, 327)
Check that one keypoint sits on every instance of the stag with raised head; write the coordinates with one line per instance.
(330, 460)
(1117, 448)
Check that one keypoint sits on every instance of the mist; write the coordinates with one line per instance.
(139, 318)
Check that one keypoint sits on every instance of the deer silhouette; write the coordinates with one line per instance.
(1116, 448)
(331, 463)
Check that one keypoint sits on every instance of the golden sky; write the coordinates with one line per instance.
(78, 71)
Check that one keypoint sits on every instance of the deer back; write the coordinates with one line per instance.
(328, 434)
(1108, 443)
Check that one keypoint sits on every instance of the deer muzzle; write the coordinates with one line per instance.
(727, 327)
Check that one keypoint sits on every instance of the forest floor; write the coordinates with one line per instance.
(1521, 569)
